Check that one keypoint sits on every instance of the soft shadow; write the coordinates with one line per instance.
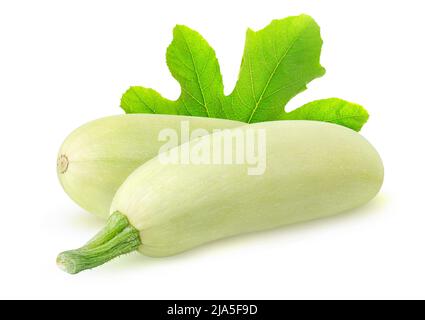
(83, 220)
(136, 260)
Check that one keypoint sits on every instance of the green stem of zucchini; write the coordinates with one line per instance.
(118, 237)
(117, 222)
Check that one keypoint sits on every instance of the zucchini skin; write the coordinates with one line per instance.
(95, 159)
(314, 169)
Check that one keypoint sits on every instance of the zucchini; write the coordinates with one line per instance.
(314, 170)
(96, 158)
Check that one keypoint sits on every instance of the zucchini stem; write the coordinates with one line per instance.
(118, 237)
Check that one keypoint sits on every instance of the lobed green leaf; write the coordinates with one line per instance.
(278, 63)
(334, 110)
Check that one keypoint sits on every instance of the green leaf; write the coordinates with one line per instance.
(332, 110)
(194, 65)
(278, 62)
(144, 100)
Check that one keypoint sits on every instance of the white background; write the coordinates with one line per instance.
(63, 63)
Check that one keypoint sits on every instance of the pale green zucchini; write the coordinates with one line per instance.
(314, 170)
(96, 158)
